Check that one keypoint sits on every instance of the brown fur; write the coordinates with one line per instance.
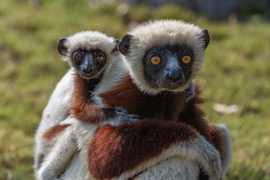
(165, 106)
(194, 116)
(53, 132)
(115, 150)
(83, 108)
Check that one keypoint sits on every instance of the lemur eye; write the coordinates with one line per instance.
(77, 56)
(155, 60)
(186, 59)
(100, 58)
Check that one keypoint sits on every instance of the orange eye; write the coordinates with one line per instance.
(77, 56)
(155, 60)
(186, 59)
(100, 58)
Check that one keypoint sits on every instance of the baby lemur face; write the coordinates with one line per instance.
(88, 52)
(88, 62)
(168, 66)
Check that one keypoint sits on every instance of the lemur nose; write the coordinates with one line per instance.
(87, 70)
(173, 77)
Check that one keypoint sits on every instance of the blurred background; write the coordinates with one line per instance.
(234, 76)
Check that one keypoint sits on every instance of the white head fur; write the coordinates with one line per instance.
(163, 32)
(87, 40)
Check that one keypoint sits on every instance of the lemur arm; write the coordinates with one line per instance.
(143, 144)
(87, 111)
(84, 109)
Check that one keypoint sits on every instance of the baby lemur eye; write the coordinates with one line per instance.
(155, 60)
(186, 59)
(77, 56)
(100, 58)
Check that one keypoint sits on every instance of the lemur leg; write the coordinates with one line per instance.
(59, 156)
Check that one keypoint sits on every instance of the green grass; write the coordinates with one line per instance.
(235, 71)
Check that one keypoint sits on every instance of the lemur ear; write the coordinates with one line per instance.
(206, 38)
(62, 46)
(123, 45)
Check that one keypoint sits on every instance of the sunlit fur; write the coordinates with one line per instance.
(163, 32)
(57, 109)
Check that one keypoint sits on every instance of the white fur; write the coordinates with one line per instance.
(227, 148)
(57, 109)
(175, 168)
(162, 32)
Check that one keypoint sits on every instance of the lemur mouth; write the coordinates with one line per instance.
(173, 85)
(87, 75)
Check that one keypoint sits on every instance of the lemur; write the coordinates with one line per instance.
(89, 53)
(162, 57)
(136, 87)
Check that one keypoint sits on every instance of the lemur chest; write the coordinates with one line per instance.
(164, 106)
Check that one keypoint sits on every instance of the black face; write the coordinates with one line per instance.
(168, 66)
(88, 63)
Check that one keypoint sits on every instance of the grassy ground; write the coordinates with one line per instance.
(235, 71)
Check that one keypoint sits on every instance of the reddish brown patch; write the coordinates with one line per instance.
(115, 150)
(83, 108)
(50, 134)
(165, 106)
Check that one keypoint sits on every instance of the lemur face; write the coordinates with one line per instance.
(164, 55)
(168, 66)
(88, 52)
(88, 62)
